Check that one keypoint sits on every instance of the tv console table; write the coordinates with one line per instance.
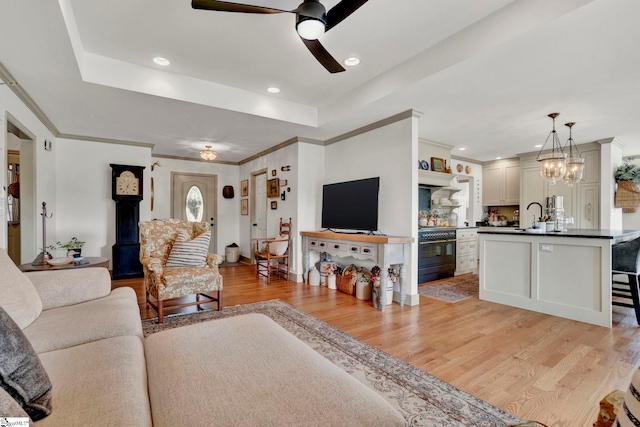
(386, 251)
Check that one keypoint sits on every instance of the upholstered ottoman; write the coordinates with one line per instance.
(249, 371)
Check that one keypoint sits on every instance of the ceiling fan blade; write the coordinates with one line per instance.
(323, 56)
(341, 11)
(225, 6)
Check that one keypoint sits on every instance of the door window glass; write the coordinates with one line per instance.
(194, 205)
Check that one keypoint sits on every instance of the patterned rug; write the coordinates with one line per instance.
(224, 264)
(422, 399)
(453, 290)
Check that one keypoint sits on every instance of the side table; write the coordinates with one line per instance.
(92, 262)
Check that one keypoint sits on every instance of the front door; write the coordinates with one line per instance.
(194, 199)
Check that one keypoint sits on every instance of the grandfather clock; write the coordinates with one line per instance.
(126, 191)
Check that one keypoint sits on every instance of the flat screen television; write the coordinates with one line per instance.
(351, 205)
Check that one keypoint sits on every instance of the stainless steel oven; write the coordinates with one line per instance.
(436, 254)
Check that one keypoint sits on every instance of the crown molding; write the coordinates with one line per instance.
(193, 159)
(373, 126)
(15, 87)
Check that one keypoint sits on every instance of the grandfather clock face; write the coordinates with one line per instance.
(127, 184)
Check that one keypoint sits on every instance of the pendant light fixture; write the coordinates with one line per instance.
(575, 162)
(208, 154)
(552, 165)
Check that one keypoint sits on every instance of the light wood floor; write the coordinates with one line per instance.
(532, 365)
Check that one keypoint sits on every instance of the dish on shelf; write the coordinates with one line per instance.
(424, 164)
(59, 261)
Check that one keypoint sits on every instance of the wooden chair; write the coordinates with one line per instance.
(626, 260)
(273, 254)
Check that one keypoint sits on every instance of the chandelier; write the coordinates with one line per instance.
(552, 165)
(575, 162)
(208, 154)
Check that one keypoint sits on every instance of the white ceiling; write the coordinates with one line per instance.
(485, 74)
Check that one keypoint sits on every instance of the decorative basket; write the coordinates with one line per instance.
(627, 196)
(346, 281)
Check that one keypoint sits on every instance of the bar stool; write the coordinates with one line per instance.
(626, 260)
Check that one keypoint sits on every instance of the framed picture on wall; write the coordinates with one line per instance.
(437, 164)
(244, 188)
(274, 205)
(273, 188)
(244, 207)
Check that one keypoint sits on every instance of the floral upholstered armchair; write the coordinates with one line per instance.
(176, 263)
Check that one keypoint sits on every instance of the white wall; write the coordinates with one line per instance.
(428, 149)
(227, 218)
(610, 159)
(286, 156)
(85, 209)
(389, 152)
(43, 173)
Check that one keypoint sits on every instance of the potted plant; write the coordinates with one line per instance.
(627, 194)
(73, 247)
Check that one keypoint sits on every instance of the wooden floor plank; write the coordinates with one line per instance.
(533, 365)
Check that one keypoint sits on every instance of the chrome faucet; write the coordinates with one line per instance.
(535, 203)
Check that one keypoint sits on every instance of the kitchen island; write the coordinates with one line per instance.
(565, 274)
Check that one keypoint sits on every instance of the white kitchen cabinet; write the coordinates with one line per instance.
(501, 182)
(466, 250)
(589, 202)
(581, 201)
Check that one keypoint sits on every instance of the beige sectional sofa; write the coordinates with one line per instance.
(89, 340)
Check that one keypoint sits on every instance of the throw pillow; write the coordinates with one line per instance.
(629, 414)
(19, 297)
(22, 375)
(279, 248)
(189, 252)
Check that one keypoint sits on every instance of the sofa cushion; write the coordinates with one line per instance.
(17, 295)
(102, 383)
(189, 252)
(9, 407)
(114, 315)
(259, 375)
(21, 373)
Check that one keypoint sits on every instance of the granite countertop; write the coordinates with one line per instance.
(445, 228)
(568, 232)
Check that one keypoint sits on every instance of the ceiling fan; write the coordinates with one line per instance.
(312, 20)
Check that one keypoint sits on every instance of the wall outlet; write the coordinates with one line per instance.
(546, 248)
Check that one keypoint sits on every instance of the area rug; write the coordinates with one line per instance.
(454, 290)
(224, 264)
(422, 399)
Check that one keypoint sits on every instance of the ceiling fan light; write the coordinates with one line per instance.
(208, 154)
(310, 28)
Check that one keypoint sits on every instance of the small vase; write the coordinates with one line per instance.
(314, 276)
(331, 281)
(74, 252)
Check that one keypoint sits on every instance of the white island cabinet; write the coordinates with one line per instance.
(563, 274)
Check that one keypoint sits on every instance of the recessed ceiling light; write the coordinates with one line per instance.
(161, 61)
(498, 158)
(537, 146)
(351, 62)
(273, 89)
(462, 148)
